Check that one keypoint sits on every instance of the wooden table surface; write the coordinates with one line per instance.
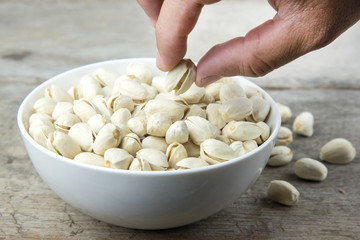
(40, 39)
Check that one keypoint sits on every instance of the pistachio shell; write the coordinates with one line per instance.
(90, 159)
(175, 152)
(192, 149)
(265, 133)
(181, 77)
(99, 103)
(303, 124)
(223, 139)
(191, 162)
(139, 165)
(200, 129)
(214, 89)
(238, 148)
(283, 192)
(88, 87)
(96, 122)
(242, 131)
(214, 116)
(40, 129)
(214, 151)
(338, 151)
(117, 158)
(284, 137)
(121, 116)
(252, 91)
(310, 169)
(194, 94)
(36, 116)
(108, 137)
(250, 145)
(159, 82)
(175, 98)
(173, 109)
(62, 144)
(236, 109)
(117, 102)
(84, 109)
(44, 105)
(141, 71)
(230, 90)
(105, 77)
(280, 155)
(130, 87)
(74, 93)
(65, 122)
(152, 92)
(158, 124)
(106, 91)
(260, 109)
(62, 108)
(139, 110)
(156, 159)
(285, 112)
(157, 143)
(137, 125)
(177, 132)
(195, 110)
(83, 135)
(131, 143)
(58, 94)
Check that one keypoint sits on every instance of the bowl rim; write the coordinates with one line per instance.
(26, 136)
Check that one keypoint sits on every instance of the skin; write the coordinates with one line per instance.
(299, 27)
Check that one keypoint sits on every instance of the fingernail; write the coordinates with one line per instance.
(160, 62)
(207, 80)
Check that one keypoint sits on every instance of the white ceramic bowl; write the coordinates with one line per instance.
(143, 200)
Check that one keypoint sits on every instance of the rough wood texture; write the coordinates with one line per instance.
(42, 38)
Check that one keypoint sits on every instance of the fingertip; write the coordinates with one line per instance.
(161, 64)
(209, 79)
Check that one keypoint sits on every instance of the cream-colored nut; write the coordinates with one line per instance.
(63, 144)
(283, 192)
(40, 129)
(121, 117)
(58, 94)
(139, 110)
(90, 159)
(230, 90)
(238, 148)
(200, 129)
(194, 94)
(191, 162)
(84, 109)
(176, 98)
(265, 133)
(105, 77)
(107, 91)
(177, 132)
(285, 112)
(242, 131)
(117, 102)
(152, 92)
(250, 145)
(44, 105)
(223, 138)
(171, 108)
(157, 143)
(99, 103)
(214, 151)
(260, 109)
(280, 156)
(236, 109)
(338, 150)
(96, 122)
(157, 124)
(175, 152)
(192, 149)
(214, 115)
(88, 87)
(36, 116)
(65, 122)
(284, 137)
(62, 108)
(137, 125)
(252, 91)
(304, 124)
(141, 71)
(195, 110)
(108, 137)
(130, 87)
(208, 98)
(74, 93)
(214, 89)
(117, 158)
(181, 77)
(139, 165)
(156, 159)
(83, 135)
(310, 169)
(159, 82)
(131, 143)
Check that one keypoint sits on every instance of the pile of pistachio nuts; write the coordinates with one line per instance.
(141, 122)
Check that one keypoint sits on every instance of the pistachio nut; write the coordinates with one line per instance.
(200, 129)
(159, 82)
(158, 124)
(35, 116)
(214, 151)
(90, 159)
(107, 91)
(242, 131)
(108, 137)
(174, 153)
(141, 71)
(191, 162)
(181, 77)
(117, 158)
(303, 124)
(173, 109)
(194, 94)
(283, 192)
(121, 116)
(236, 109)
(74, 93)
(84, 109)
(280, 155)
(285, 112)
(63, 144)
(40, 129)
(88, 87)
(249, 145)
(156, 159)
(117, 102)
(338, 151)
(137, 125)
(260, 109)
(105, 77)
(192, 149)
(131, 143)
(157, 143)
(139, 165)
(252, 91)
(238, 148)
(176, 98)
(223, 138)
(99, 103)
(208, 98)
(310, 169)
(130, 87)
(44, 105)
(152, 92)
(230, 90)
(214, 90)
(265, 133)
(83, 135)
(284, 137)
(96, 122)
(177, 132)
(58, 94)
(65, 122)
(214, 115)
(62, 108)
(195, 110)
(139, 110)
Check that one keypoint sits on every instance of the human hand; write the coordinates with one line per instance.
(298, 28)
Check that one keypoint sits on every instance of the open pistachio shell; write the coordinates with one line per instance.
(63, 144)
(214, 151)
(175, 152)
(90, 159)
(181, 77)
(200, 129)
(83, 135)
(191, 162)
(117, 158)
(156, 159)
